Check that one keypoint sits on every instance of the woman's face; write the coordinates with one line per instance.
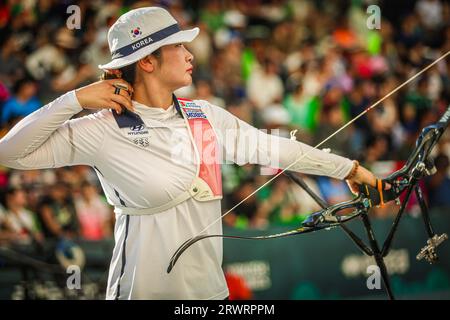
(19, 199)
(175, 67)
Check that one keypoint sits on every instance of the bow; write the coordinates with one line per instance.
(367, 198)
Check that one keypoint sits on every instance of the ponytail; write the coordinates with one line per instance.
(127, 73)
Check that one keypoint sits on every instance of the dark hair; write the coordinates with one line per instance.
(129, 72)
(441, 162)
(86, 183)
(20, 83)
(12, 190)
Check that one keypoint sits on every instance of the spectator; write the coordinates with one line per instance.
(51, 58)
(93, 214)
(264, 86)
(11, 66)
(438, 185)
(332, 190)
(96, 53)
(20, 226)
(419, 97)
(204, 92)
(4, 234)
(376, 149)
(306, 204)
(244, 216)
(23, 101)
(276, 117)
(304, 110)
(212, 15)
(430, 13)
(331, 119)
(278, 205)
(57, 213)
(319, 64)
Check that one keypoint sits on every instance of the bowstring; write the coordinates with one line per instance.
(325, 140)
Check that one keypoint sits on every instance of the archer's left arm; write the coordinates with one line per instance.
(242, 144)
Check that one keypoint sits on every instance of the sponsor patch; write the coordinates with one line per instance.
(192, 105)
(138, 134)
(188, 104)
(138, 130)
(194, 114)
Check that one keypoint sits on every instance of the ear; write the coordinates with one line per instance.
(148, 64)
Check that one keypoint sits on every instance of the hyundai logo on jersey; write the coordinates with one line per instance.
(137, 128)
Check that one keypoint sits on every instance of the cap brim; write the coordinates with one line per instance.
(181, 36)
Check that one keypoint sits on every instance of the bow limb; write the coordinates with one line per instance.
(199, 237)
(192, 241)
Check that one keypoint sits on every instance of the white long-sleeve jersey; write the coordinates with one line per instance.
(148, 171)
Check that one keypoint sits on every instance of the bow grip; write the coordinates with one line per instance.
(376, 196)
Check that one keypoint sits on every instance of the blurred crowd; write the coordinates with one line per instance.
(280, 65)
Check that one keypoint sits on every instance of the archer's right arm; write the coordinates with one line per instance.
(48, 139)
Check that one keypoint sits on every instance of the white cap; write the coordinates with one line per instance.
(139, 32)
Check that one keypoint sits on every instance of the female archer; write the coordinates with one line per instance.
(157, 157)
